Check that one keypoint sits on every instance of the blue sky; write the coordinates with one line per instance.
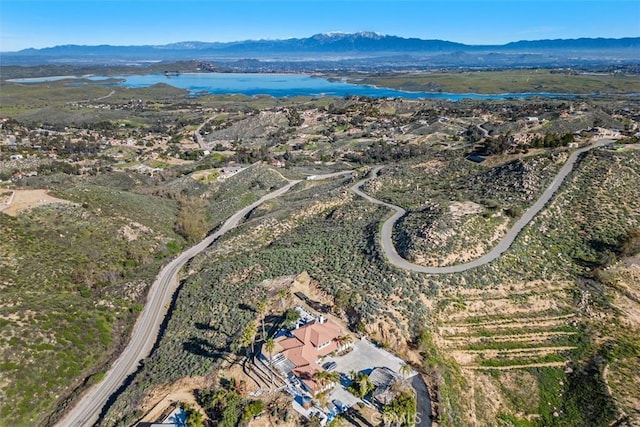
(31, 23)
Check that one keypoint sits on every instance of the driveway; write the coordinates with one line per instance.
(341, 394)
(423, 403)
(364, 357)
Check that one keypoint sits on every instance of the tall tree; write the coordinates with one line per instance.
(402, 410)
(269, 345)
(261, 307)
(248, 335)
(191, 222)
(323, 377)
(343, 339)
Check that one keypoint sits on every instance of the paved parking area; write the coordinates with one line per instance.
(364, 357)
(341, 394)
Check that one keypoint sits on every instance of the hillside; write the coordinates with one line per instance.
(516, 341)
(76, 275)
(540, 336)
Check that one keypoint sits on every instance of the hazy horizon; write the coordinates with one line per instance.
(40, 24)
(311, 35)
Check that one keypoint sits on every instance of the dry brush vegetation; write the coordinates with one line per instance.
(515, 338)
(535, 345)
(74, 276)
(530, 339)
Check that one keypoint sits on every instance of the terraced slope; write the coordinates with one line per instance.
(509, 327)
(539, 337)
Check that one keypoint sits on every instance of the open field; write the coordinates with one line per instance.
(21, 200)
(511, 81)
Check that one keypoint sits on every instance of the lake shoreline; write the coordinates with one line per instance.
(278, 85)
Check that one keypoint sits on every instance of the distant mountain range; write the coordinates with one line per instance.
(347, 50)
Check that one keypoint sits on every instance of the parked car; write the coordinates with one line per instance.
(329, 366)
(341, 407)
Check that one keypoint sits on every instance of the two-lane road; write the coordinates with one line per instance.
(145, 331)
(389, 250)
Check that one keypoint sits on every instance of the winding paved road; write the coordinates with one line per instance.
(392, 256)
(329, 175)
(198, 136)
(145, 331)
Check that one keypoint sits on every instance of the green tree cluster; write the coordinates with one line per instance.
(291, 316)
(226, 407)
(361, 385)
(401, 411)
(195, 418)
(223, 406)
(192, 218)
(552, 140)
(252, 409)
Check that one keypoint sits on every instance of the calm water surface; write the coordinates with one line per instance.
(277, 85)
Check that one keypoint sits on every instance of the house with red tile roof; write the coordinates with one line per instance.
(305, 345)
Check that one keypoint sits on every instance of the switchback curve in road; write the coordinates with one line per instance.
(145, 331)
(386, 233)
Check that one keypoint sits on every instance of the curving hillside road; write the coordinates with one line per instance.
(198, 136)
(145, 331)
(392, 256)
(329, 175)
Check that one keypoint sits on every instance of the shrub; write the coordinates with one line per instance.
(252, 409)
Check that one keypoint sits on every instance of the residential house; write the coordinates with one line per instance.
(298, 352)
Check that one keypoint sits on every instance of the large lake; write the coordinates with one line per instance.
(277, 85)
